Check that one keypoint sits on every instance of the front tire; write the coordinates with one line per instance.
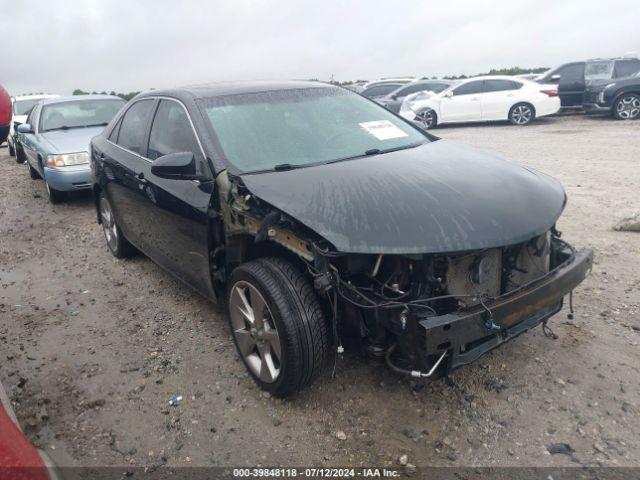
(33, 173)
(12, 151)
(278, 326)
(522, 114)
(21, 157)
(118, 245)
(55, 196)
(427, 118)
(627, 107)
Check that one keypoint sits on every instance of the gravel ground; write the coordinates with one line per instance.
(92, 348)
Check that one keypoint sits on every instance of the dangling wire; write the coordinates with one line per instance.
(338, 343)
(570, 314)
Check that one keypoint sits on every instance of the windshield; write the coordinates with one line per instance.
(22, 107)
(78, 114)
(598, 70)
(290, 128)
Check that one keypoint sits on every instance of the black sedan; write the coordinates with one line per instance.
(316, 215)
(619, 97)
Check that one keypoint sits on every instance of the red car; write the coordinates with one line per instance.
(19, 460)
(5, 114)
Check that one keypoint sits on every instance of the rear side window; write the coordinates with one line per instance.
(626, 68)
(171, 131)
(500, 85)
(133, 126)
(469, 88)
(403, 92)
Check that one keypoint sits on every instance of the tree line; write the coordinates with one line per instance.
(125, 96)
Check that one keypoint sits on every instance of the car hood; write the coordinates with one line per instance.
(70, 141)
(438, 197)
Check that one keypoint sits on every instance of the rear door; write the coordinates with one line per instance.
(571, 84)
(464, 103)
(176, 219)
(123, 158)
(498, 96)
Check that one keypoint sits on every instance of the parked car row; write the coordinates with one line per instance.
(484, 99)
(54, 140)
(609, 86)
(21, 106)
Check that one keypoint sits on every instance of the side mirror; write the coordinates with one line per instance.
(394, 97)
(176, 166)
(448, 94)
(24, 128)
(555, 77)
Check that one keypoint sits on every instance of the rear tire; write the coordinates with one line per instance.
(522, 114)
(284, 309)
(627, 107)
(55, 196)
(427, 118)
(117, 244)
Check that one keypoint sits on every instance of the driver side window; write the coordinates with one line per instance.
(171, 132)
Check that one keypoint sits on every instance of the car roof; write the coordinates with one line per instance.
(34, 97)
(73, 98)
(384, 81)
(495, 77)
(219, 89)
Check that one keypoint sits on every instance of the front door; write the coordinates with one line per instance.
(571, 84)
(28, 140)
(463, 105)
(176, 222)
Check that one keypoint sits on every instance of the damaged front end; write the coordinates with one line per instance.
(425, 314)
(429, 314)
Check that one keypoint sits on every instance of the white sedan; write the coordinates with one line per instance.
(482, 99)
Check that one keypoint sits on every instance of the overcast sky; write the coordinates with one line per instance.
(56, 46)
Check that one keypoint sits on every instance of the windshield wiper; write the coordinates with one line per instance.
(284, 166)
(67, 127)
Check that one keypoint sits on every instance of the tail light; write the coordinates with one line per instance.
(550, 93)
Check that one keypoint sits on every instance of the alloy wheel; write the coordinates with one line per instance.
(255, 331)
(426, 118)
(628, 107)
(521, 114)
(108, 224)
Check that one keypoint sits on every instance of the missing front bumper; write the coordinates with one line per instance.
(464, 334)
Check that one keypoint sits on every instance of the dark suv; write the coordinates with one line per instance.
(619, 97)
(573, 78)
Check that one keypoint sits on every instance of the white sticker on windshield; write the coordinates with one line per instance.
(383, 129)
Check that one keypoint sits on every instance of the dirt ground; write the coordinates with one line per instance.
(92, 348)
